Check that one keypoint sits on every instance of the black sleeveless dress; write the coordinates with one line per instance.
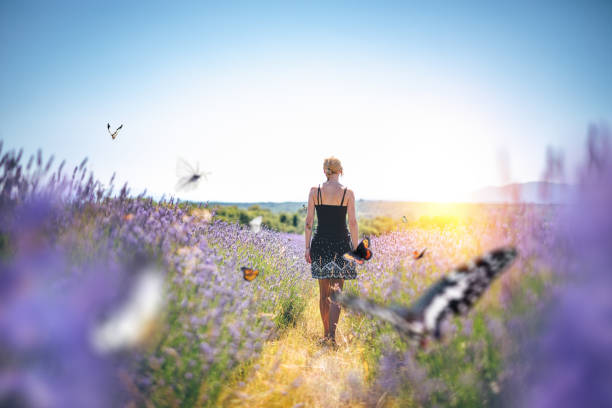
(331, 240)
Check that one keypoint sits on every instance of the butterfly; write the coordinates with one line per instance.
(255, 224)
(417, 255)
(189, 177)
(133, 323)
(113, 134)
(404, 219)
(454, 293)
(361, 254)
(249, 274)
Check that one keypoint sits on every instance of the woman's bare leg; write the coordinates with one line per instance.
(324, 304)
(334, 308)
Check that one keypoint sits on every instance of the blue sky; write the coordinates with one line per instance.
(417, 101)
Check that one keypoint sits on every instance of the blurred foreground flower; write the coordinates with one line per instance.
(81, 293)
(45, 352)
(571, 359)
(55, 287)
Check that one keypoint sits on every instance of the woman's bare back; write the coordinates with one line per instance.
(331, 193)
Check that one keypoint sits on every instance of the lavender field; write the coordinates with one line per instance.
(76, 329)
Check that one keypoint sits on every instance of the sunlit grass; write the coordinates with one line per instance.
(296, 369)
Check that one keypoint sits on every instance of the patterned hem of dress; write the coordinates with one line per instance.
(332, 270)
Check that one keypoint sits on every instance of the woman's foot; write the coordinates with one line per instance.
(331, 343)
(323, 341)
(327, 342)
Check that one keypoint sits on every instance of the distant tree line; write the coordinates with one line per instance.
(278, 221)
(293, 222)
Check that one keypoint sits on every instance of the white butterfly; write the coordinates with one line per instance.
(113, 134)
(255, 224)
(189, 177)
(455, 293)
(132, 323)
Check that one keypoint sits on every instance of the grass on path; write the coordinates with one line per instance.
(296, 371)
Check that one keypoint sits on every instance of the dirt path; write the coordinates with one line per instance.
(295, 371)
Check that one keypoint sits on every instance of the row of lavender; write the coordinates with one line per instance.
(71, 254)
(541, 337)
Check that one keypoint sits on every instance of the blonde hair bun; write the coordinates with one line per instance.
(332, 165)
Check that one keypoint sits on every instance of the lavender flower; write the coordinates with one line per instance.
(570, 358)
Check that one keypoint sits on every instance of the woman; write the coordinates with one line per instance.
(331, 240)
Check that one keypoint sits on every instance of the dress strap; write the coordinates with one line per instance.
(342, 202)
(319, 195)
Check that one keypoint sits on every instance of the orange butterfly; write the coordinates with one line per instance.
(361, 254)
(417, 255)
(249, 274)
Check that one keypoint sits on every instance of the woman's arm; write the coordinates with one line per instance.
(309, 221)
(352, 219)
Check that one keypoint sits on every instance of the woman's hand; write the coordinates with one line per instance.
(307, 255)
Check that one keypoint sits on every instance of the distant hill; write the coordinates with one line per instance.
(532, 192)
(538, 192)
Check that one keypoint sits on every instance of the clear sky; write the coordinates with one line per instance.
(418, 101)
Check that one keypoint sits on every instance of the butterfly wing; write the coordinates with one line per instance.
(116, 132)
(186, 173)
(140, 312)
(455, 293)
(112, 134)
(184, 169)
(249, 274)
(367, 254)
(352, 256)
(365, 243)
(361, 253)
(418, 255)
(401, 318)
(255, 224)
(458, 291)
(186, 184)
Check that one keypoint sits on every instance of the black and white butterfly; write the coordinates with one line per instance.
(113, 134)
(455, 293)
(189, 177)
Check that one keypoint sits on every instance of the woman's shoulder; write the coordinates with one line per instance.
(348, 190)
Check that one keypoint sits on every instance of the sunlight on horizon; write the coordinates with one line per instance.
(275, 132)
(415, 101)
